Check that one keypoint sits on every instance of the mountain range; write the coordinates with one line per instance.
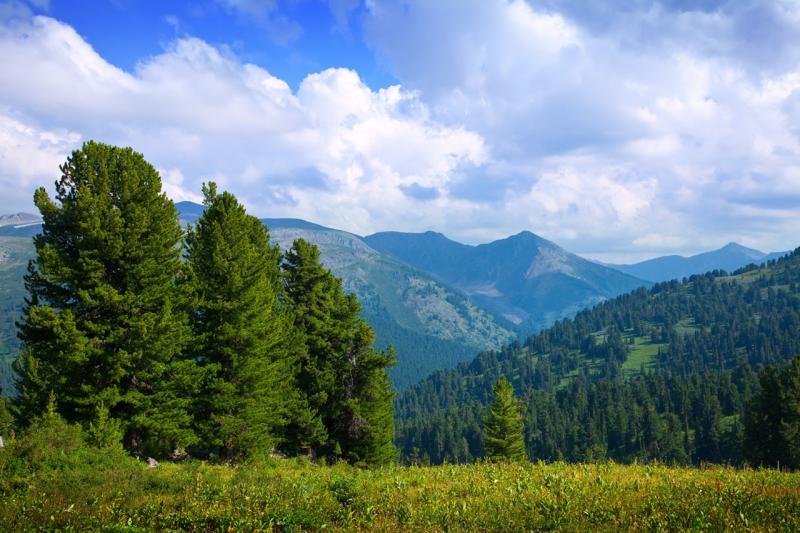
(729, 258)
(17, 219)
(436, 300)
(526, 279)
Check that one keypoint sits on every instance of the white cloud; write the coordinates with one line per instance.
(633, 127)
(636, 126)
(29, 157)
(335, 151)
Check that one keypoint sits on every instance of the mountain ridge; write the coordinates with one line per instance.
(664, 268)
(524, 277)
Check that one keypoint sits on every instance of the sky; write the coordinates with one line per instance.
(620, 129)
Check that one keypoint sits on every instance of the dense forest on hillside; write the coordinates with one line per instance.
(664, 373)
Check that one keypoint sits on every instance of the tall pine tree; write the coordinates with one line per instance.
(105, 322)
(504, 428)
(342, 376)
(245, 341)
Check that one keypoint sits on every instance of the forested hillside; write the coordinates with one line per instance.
(14, 255)
(663, 373)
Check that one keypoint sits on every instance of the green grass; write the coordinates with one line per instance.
(642, 353)
(686, 326)
(51, 479)
(295, 495)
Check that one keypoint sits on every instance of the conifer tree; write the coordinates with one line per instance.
(772, 425)
(105, 320)
(6, 420)
(245, 341)
(342, 376)
(504, 428)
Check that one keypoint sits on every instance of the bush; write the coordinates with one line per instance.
(51, 445)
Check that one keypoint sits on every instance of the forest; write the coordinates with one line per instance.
(673, 373)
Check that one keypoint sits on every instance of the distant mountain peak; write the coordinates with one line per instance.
(730, 257)
(19, 218)
(735, 247)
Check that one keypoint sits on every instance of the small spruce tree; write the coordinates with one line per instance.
(504, 428)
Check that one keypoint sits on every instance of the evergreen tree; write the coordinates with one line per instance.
(6, 420)
(244, 339)
(504, 427)
(772, 427)
(341, 375)
(105, 322)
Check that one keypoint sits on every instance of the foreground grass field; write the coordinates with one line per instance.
(283, 494)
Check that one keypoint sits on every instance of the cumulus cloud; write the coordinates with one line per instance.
(334, 151)
(616, 125)
(643, 127)
(27, 154)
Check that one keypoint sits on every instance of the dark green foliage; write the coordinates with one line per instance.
(685, 403)
(772, 427)
(105, 321)
(341, 375)
(504, 427)
(244, 340)
(6, 419)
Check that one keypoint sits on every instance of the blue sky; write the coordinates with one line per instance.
(290, 38)
(620, 129)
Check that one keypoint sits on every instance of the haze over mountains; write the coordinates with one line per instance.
(729, 258)
(16, 219)
(438, 301)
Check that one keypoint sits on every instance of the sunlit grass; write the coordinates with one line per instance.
(297, 495)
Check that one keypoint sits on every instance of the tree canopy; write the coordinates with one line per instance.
(341, 374)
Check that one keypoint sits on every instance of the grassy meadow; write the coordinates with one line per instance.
(105, 490)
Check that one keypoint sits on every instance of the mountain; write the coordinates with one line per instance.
(19, 219)
(660, 374)
(728, 258)
(528, 280)
(190, 212)
(21, 230)
(14, 255)
(431, 325)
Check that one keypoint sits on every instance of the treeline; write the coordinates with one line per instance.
(213, 343)
(691, 403)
